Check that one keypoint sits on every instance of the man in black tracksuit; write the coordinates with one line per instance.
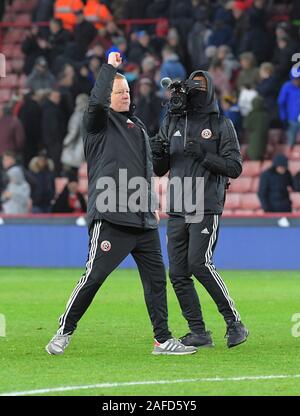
(199, 143)
(114, 139)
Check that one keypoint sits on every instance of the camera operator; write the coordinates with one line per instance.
(196, 142)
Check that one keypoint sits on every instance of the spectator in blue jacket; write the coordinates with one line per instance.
(273, 189)
(289, 107)
(171, 66)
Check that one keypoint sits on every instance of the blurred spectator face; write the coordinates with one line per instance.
(237, 13)
(280, 32)
(84, 71)
(79, 17)
(282, 43)
(120, 97)
(69, 70)
(148, 64)
(54, 26)
(42, 162)
(265, 70)
(98, 51)
(281, 170)
(111, 27)
(55, 97)
(222, 52)
(259, 4)
(143, 39)
(173, 38)
(73, 187)
(145, 87)
(296, 82)
(246, 63)
(94, 64)
(41, 68)
(8, 161)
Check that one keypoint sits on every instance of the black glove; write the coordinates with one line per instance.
(195, 150)
(158, 147)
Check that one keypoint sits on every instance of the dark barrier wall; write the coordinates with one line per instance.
(243, 244)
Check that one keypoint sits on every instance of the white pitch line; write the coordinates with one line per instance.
(143, 383)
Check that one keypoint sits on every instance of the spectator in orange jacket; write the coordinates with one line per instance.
(65, 10)
(97, 13)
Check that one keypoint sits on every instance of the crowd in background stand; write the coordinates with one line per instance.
(248, 55)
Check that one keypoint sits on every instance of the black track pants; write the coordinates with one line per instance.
(109, 245)
(190, 249)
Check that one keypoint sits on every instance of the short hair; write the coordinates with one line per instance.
(10, 153)
(119, 76)
(268, 67)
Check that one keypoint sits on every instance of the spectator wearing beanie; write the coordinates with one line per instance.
(274, 186)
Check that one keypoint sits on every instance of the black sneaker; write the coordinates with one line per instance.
(201, 339)
(236, 334)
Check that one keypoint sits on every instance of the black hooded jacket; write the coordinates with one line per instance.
(112, 142)
(222, 154)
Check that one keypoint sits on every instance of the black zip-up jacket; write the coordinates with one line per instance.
(111, 143)
(222, 159)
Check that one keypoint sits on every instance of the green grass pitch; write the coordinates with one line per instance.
(113, 342)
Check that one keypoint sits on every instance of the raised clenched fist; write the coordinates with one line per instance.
(114, 59)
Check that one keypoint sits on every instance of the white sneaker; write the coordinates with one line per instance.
(172, 347)
(58, 344)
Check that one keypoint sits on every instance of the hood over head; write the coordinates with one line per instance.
(205, 102)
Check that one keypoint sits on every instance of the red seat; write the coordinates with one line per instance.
(232, 201)
(11, 81)
(250, 201)
(228, 212)
(254, 185)
(251, 168)
(23, 18)
(283, 149)
(274, 136)
(242, 184)
(244, 212)
(266, 165)
(22, 81)
(17, 65)
(4, 95)
(295, 197)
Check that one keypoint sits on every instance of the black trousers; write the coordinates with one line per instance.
(109, 245)
(190, 249)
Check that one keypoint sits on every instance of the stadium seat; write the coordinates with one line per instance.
(228, 212)
(251, 168)
(60, 183)
(242, 184)
(250, 201)
(244, 212)
(254, 185)
(266, 165)
(232, 201)
(11, 81)
(22, 81)
(274, 136)
(282, 148)
(17, 65)
(4, 95)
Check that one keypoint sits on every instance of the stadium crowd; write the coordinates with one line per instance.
(246, 49)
